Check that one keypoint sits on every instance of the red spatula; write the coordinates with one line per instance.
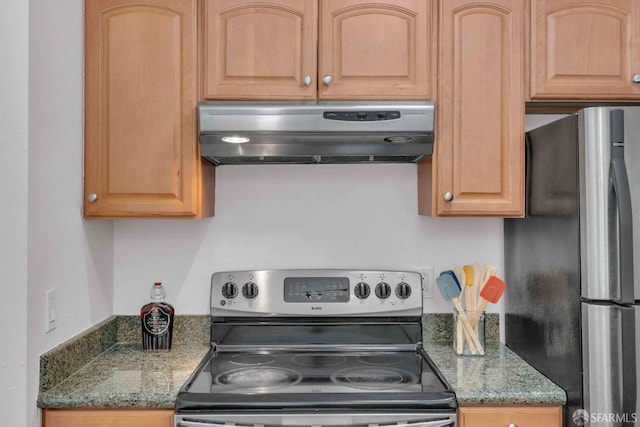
(491, 292)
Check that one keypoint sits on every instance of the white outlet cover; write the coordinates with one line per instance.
(51, 317)
(427, 282)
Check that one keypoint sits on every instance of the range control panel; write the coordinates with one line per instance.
(316, 292)
(316, 289)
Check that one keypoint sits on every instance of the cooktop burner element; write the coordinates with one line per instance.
(373, 378)
(259, 379)
(318, 360)
(252, 359)
(311, 348)
(381, 359)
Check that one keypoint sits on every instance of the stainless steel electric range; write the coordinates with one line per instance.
(316, 348)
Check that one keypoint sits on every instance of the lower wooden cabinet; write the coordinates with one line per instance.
(469, 416)
(107, 417)
(503, 416)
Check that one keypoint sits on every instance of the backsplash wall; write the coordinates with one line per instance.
(296, 216)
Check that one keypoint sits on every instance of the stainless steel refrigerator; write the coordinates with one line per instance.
(572, 306)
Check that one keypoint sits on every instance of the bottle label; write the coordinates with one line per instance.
(156, 321)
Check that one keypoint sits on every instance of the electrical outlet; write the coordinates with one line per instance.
(427, 282)
(51, 317)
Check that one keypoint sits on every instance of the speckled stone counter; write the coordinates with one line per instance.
(126, 377)
(500, 377)
(105, 367)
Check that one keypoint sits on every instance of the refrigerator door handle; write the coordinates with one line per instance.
(620, 197)
(629, 365)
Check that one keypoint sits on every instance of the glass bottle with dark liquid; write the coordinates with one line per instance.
(157, 321)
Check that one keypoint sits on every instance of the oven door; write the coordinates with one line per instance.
(334, 419)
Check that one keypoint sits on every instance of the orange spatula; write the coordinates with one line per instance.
(490, 293)
(487, 271)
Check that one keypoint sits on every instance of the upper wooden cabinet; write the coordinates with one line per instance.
(141, 90)
(257, 50)
(478, 164)
(335, 49)
(376, 49)
(585, 49)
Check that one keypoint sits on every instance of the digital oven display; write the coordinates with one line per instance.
(316, 289)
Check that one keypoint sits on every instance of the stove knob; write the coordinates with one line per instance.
(362, 290)
(383, 290)
(229, 290)
(403, 290)
(250, 290)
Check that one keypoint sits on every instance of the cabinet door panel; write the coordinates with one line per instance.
(140, 95)
(523, 416)
(479, 149)
(260, 50)
(107, 417)
(585, 49)
(376, 49)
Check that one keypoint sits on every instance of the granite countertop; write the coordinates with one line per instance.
(500, 377)
(125, 376)
(105, 367)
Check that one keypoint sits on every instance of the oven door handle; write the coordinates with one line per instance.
(434, 423)
(202, 424)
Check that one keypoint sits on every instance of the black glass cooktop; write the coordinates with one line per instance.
(315, 379)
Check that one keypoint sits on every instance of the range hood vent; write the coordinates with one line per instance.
(245, 132)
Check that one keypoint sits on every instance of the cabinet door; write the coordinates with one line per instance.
(107, 417)
(141, 153)
(523, 416)
(478, 163)
(586, 49)
(375, 49)
(260, 50)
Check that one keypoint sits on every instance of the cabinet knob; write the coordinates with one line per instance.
(327, 79)
(636, 78)
(448, 196)
(92, 197)
(306, 80)
(512, 425)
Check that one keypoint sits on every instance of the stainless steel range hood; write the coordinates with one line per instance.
(247, 132)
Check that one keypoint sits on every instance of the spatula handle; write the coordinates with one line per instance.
(482, 306)
(459, 341)
(472, 338)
